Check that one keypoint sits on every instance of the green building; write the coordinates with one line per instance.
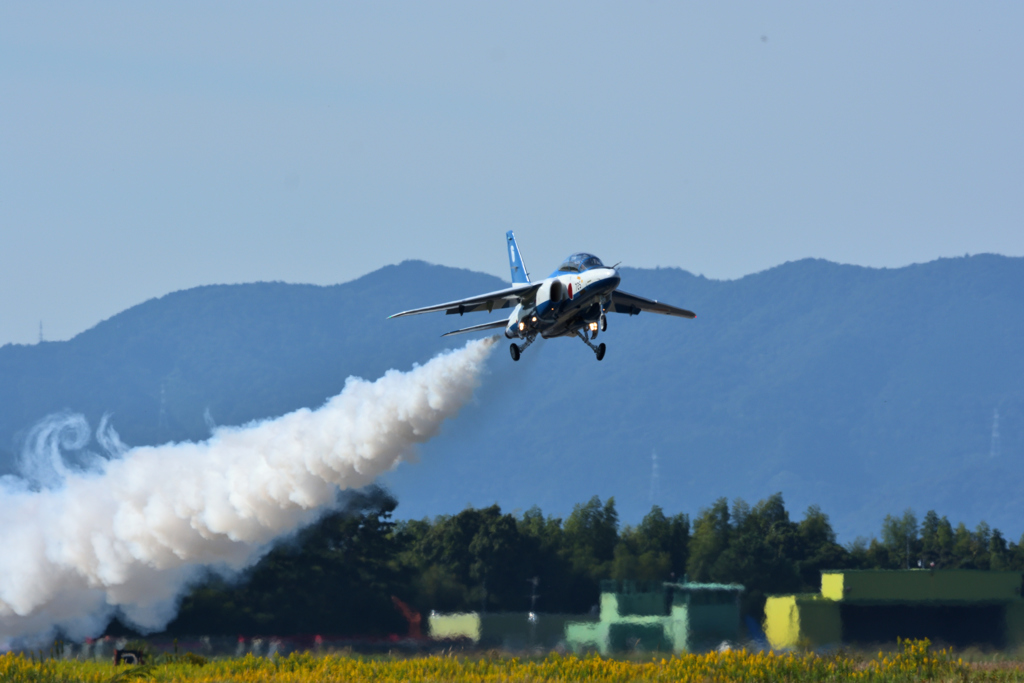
(670, 617)
(950, 606)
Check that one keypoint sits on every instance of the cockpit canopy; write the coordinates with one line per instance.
(577, 263)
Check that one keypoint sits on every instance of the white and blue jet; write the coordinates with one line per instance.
(572, 301)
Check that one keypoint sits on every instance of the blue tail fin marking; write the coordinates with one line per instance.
(515, 261)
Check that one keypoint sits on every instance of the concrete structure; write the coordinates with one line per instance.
(670, 617)
(505, 630)
(957, 607)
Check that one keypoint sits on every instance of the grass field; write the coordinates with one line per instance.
(914, 661)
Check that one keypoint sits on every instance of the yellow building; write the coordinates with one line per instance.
(506, 630)
(957, 607)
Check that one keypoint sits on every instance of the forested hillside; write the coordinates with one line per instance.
(874, 390)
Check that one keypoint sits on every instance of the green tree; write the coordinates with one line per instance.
(964, 549)
(818, 549)
(501, 561)
(646, 552)
(589, 537)
(679, 544)
(944, 543)
(547, 530)
(591, 533)
(654, 532)
(857, 552)
(900, 537)
(558, 587)
(336, 577)
(711, 534)
(478, 553)
(999, 557)
(982, 541)
(877, 556)
(931, 553)
(972, 550)
(437, 586)
(761, 553)
(1016, 553)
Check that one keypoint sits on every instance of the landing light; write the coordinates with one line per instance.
(522, 326)
(534, 318)
(593, 327)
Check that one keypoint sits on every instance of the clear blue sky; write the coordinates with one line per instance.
(150, 147)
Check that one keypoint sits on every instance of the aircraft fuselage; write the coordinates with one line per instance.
(565, 302)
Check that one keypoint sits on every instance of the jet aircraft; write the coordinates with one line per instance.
(572, 301)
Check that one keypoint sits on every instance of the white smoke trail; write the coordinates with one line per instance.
(129, 533)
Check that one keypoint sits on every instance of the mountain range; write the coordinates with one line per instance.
(865, 391)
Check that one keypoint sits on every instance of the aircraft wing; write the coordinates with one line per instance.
(633, 305)
(493, 325)
(503, 298)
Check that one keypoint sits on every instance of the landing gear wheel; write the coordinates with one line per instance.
(600, 351)
(514, 350)
(604, 323)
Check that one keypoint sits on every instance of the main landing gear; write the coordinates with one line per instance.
(598, 350)
(516, 351)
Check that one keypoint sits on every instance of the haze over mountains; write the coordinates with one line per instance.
(865, 391)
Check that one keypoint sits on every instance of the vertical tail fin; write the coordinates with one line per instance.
(515, 261)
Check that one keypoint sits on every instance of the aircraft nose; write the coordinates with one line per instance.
(613, 278)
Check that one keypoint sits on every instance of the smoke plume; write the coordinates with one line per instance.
(128, 532)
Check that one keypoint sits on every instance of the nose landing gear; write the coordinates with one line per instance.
(598, 350)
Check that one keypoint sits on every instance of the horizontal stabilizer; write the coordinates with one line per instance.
(632, 304)
(477, 328)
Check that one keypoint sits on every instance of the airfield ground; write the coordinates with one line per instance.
(913, 661)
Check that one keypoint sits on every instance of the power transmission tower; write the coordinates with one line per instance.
(997, 446)
(655, 479)
(162, 426)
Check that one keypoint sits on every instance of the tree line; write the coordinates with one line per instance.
(339, 575)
